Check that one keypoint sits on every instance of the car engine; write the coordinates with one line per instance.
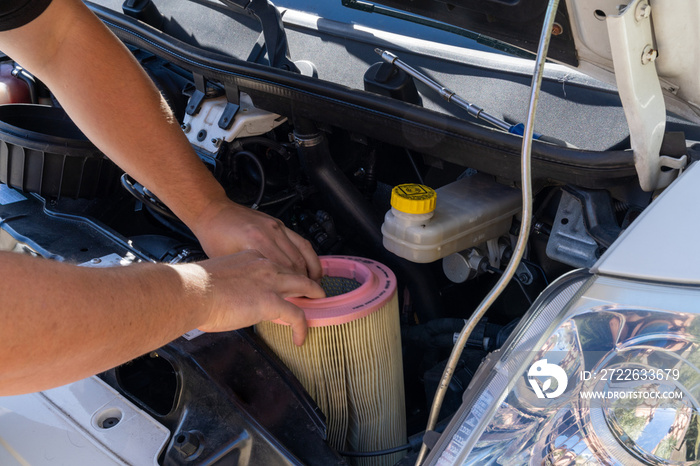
(325, 160)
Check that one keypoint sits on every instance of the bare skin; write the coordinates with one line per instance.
(62, 322)
(112, 100)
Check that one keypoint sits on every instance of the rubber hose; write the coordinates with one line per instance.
(354, 210)
(261, 171)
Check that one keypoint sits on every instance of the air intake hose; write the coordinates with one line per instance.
(351, 208)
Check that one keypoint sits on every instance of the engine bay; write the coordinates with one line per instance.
(324, 159)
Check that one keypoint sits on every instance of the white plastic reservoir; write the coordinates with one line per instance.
(425, 225)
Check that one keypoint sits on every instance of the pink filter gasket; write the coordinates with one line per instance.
(377, 287)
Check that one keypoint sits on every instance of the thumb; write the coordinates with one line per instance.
(296, 318)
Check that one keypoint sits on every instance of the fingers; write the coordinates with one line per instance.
(298, 253)
(308, 256)
(293, 252)
(295, 317)
(281, 245)
(249, 288)
(294, 286)
(287, 253)
(234, 228)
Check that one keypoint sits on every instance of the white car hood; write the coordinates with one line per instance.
(580, 37)
(676, 38)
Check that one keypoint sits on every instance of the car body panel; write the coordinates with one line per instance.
(71, 425)
(662, 233)
(228, 391)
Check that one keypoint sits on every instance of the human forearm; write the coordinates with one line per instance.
(113, 101)
(62, 322)
(102, 87)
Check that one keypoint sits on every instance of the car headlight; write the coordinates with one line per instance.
(601, 371)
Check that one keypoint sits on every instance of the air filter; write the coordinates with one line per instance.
(351, 361)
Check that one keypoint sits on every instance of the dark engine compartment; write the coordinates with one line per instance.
(326, 167)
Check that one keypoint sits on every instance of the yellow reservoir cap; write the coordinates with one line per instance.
(413, 198)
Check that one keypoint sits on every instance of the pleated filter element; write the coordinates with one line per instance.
(351, 362)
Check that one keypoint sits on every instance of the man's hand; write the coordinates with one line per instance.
(225, 227)
(152, 148)
(246, 288)
(56, 315)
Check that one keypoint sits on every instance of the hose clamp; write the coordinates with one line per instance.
(307, 141)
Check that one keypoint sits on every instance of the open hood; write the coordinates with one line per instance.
(581, 38)
(649, 50)
(515, 22)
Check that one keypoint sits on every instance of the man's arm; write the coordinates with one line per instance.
(61, 322)
(112, 100)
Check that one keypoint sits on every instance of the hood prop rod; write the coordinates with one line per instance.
(452, 97)
(445, 93)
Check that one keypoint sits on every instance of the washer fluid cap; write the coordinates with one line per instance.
(413, 198)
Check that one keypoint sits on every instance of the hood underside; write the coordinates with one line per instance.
(580, 37)
(515, 22)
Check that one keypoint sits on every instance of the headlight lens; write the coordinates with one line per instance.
(600, 371)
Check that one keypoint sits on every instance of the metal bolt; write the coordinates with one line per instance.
(216, 142)
(557, 29)
(186, 127)
(187, 443)
(642, 12)
(96, 260)
(541, 229)
(649, 55)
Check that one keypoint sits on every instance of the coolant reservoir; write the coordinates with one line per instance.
(425, 225)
